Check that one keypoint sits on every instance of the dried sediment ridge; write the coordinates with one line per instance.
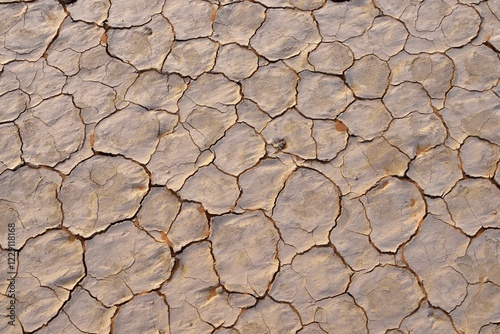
(250, 167)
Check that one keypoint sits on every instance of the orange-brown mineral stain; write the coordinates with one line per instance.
(164, 237)
(212, 17)
(71, 237)
(421, 149)
(212, 292)
(91, 139)
(339, 126)
(104, 38)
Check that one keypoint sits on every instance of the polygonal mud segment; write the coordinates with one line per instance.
(446, 287)
(324, 272)
(197, 301)
(60, 324)
(191, 224)
(477, 67)
(51, 131)
(394, 209)
(299, 62)
(144, 47)
(239, 149)
(236, 62)
(83, 153)
(425, 37)
(38, 79)
(96, 65)
(10, 156)
(28, 200)
(126, 13)
(250, 113)
(15, 102)
(333, 58)
(416, 133)
(306, 209)
(186, 318)
(368, 77)
(490, 329)
(489, 11)
(273, 3)
(362, 164)
(341, 21)
(153, 90)
(436, 171)
(215, 190)
(144, 314)
(366, 119)
(431, 14)
(291, 133)
(272, 87)
(100, 191)
(213, 90)
(351, 238)
(83, 312)
(484, 255)
(92, 11)
(140, 263)
(391, 7)
(191, 18)
(330, 137)
(244, 247)
(45, 278)
(206, 125)
(481, 307)
(479, 157)
(322, 96)
(427, 320)
(313, 328)
(288, 286)
(110, 291)
(9, 16)
(269, 317)
(431, 255)
(340, 315)
(241, 300)
(237, 22)
(437, 207)
(474, 203)
(307, 4)
(158, 211)
(461, 26)
(315, 275)
(73, 39)
(472, 113)
(385, 38)
(95, 99)
(290, 30)
(405, 98)
(434, 71)
(191, 58)
(132, 132)
(260, 185)
(30, 29)
(174, 159)
(387, 294)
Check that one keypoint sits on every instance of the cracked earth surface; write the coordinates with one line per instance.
(250, 166)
